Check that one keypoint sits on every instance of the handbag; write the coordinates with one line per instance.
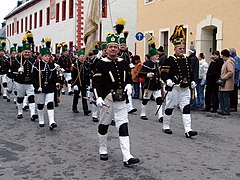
(221, 82)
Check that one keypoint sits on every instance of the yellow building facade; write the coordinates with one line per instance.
(209, 24)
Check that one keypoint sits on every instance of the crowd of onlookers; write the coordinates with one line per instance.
(218, 80)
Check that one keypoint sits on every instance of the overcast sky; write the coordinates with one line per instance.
(6, 6)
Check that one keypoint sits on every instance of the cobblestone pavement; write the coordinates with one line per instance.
(71, 151)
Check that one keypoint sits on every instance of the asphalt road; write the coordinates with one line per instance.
(71, 150)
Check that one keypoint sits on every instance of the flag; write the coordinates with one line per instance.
(92, 23)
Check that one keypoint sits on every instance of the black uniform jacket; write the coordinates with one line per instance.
(26, 76)
(48, 77)
(179, 70)
(3, 65)
(13, 67)
(110, 75)
(147, 67)
(65, 63)
(80, 74)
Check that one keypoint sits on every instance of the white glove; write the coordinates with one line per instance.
(99, 102)
(21, 69)
(128, 88)
(62, 69)
(170, 83)
(56, 65)
(193, 85)
(39, 89)
(75, 88)
(150, 75)
(99, 55)
(131, 65)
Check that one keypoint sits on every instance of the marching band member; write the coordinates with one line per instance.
(178, 75)
(111, 80)
(45, 81)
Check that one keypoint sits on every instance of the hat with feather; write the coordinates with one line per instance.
(57, 51)
(48, 42)
(64, 47)
(14, 48)
(178, 37)
(26, 45)
(3, 45)
(123, 40)
(152, 50)
(120, 25)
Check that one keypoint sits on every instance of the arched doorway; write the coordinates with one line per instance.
(209, 36)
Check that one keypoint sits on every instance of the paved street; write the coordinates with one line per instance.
(71, 151)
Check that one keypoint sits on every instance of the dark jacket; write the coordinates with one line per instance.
(110, 75)
(65, 62)
(3, 65)
(147, 67)
(27, 75)
(48, 76)
(80, 74)
(195, 66)
(213, 73)
(178, 70)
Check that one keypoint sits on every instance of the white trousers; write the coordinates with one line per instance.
(43, 98)
(23, 89)
(181, 97)
(3, 79)
(116, 111)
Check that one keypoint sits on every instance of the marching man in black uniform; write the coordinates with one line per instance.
(111, 80)
(12, 71)
(45, 81)
(66, 63)
(152, 85)
(3, 70)
(178, 75)
(24, 81)
(80, 82)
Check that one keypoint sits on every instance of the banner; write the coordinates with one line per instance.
(52, 9)
(92, 22)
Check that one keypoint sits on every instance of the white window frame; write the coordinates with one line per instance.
(161, 38)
